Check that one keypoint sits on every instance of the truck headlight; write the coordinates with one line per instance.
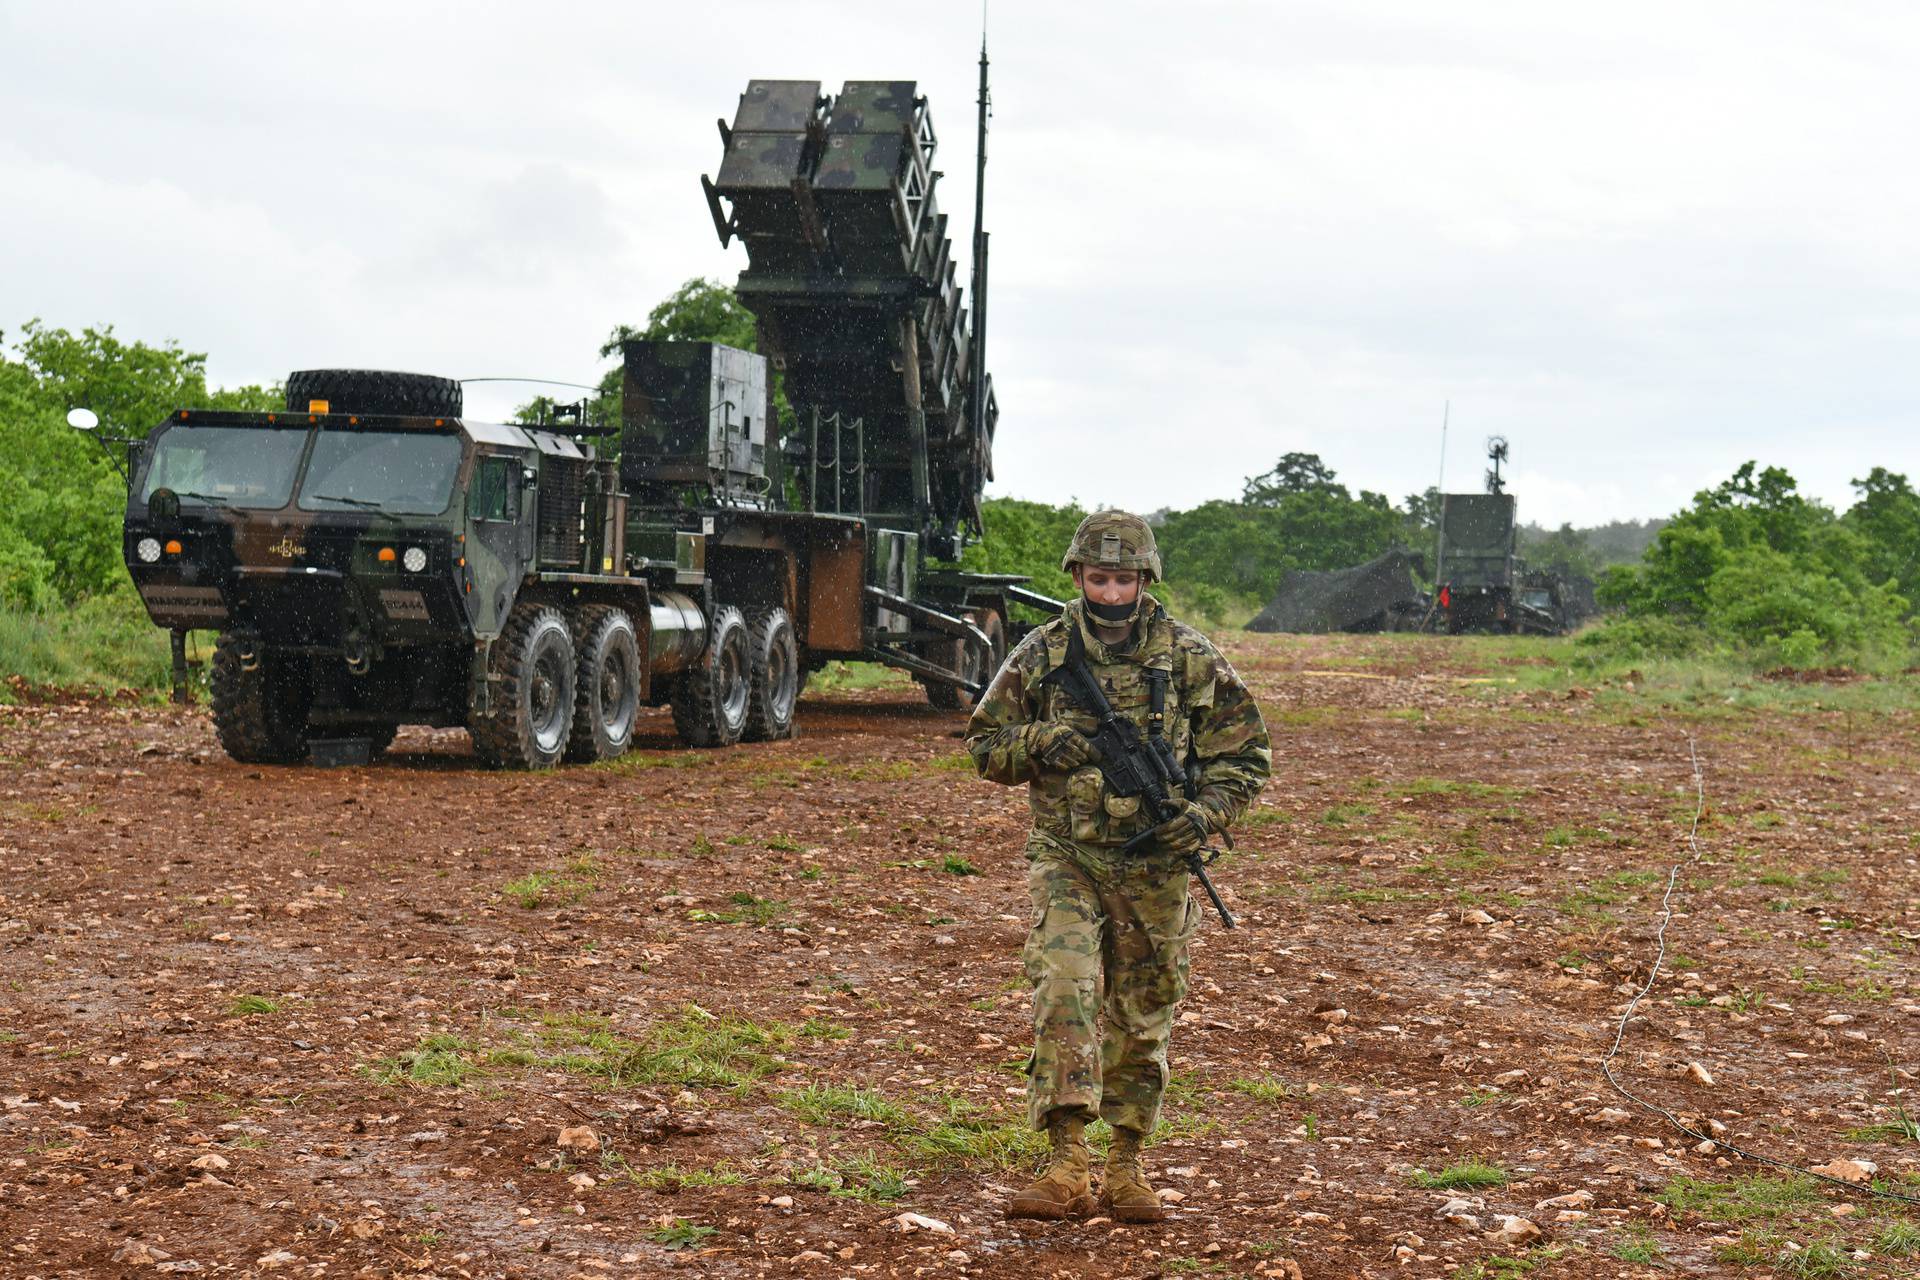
(148, 549)
(415, 560)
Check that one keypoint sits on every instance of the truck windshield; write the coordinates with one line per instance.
(404, 472)
(230, 466)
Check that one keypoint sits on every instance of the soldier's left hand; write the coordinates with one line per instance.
(1186, 830)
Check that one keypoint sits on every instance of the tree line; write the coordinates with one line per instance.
(1751, 565)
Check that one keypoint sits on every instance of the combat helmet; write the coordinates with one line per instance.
(1114, 540)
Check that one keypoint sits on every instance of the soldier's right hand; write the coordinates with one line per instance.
(1060, 747)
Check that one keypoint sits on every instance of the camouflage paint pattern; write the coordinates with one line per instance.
(1110, 934)
(1107, 956)
(1114, 540)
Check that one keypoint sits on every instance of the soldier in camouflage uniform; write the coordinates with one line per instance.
(1110, 933)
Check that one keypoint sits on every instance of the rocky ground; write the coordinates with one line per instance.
(760, 1011)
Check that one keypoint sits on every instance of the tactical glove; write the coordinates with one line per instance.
(1186, 830)
(1059, 747)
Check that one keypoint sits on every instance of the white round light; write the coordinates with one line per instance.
(415, 559)
(148, 549)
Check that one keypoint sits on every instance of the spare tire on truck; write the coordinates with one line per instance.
(411, 395)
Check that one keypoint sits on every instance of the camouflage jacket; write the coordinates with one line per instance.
(1210, 716)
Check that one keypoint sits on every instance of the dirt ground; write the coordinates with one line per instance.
(341, 1022)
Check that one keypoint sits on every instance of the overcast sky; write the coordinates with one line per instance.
(1644, 242)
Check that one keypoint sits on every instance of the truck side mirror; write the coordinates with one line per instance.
(529, 477)
(83, 420)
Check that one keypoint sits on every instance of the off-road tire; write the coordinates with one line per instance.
(604, 713)
(530, 710)
(710, 698)
(415, 395)
(773, 660)
(259, 715)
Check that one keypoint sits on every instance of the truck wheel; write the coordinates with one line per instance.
(531, 708)
(710, 698)
(414, 395)
(607, 684)
(260, 714)
(773, 661)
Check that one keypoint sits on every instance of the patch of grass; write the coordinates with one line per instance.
(955, 865)
(1465, 1173)
(1262, 1088)
(1480, 1098)
(822, 1029)
(1341, 815)
(681, 1234)
(824, 1104)
(702, 1050)
(859, 1178)
(439, 1060)
(250, 1006)
(1635, 1244)
(546, 889)
(1456, 787)
(1897, 1238)
(1515, 1266)
(671, 1177)
(1821, 1259)
(1757, 1196)
(785, 844)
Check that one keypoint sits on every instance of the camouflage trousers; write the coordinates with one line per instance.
(1108, 945)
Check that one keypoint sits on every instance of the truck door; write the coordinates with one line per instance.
(499, 532)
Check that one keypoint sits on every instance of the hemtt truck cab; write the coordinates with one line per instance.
(371, 559)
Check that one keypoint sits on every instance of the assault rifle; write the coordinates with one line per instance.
(1134, 765)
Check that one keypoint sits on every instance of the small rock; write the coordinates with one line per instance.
(578, 1138)
(427, 1135)
(1311, 1219)
(919, 1222)
(1312, 1043)
(809, 1255)
(275, 1260)
(1847, 1170)
(780, 1202)
(1608, 1115)
(1698, 1074)
(1836, 1020)
(1513, 1230)
(1507, 1079)
(1477, 916)
(1172, 1196)
(1571, 1200)
(959, 1256)
(583, 1181)
(1331, 1016)
(212, 1160)
(184, 1265)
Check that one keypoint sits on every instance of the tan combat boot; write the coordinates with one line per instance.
(1124, 1192)
(1065, 1189)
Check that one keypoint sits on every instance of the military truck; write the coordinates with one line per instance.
(371, 558)
(1477, 562)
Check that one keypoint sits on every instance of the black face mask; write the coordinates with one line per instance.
(1114, 613)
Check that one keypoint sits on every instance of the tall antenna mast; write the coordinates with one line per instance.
(978, 392)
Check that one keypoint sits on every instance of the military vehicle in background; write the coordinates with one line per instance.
(1380, 595)
(1481, 583)
(372, 559)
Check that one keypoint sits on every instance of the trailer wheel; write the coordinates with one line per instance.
(773, 659)
(259, 711)
(531, 708)
(964, 656)
(710, 698)
(420, 395)
(607, 683)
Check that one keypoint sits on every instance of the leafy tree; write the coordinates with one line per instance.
(1295, 473)
(1887, 516)
(60, 529)
(1565, 551)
